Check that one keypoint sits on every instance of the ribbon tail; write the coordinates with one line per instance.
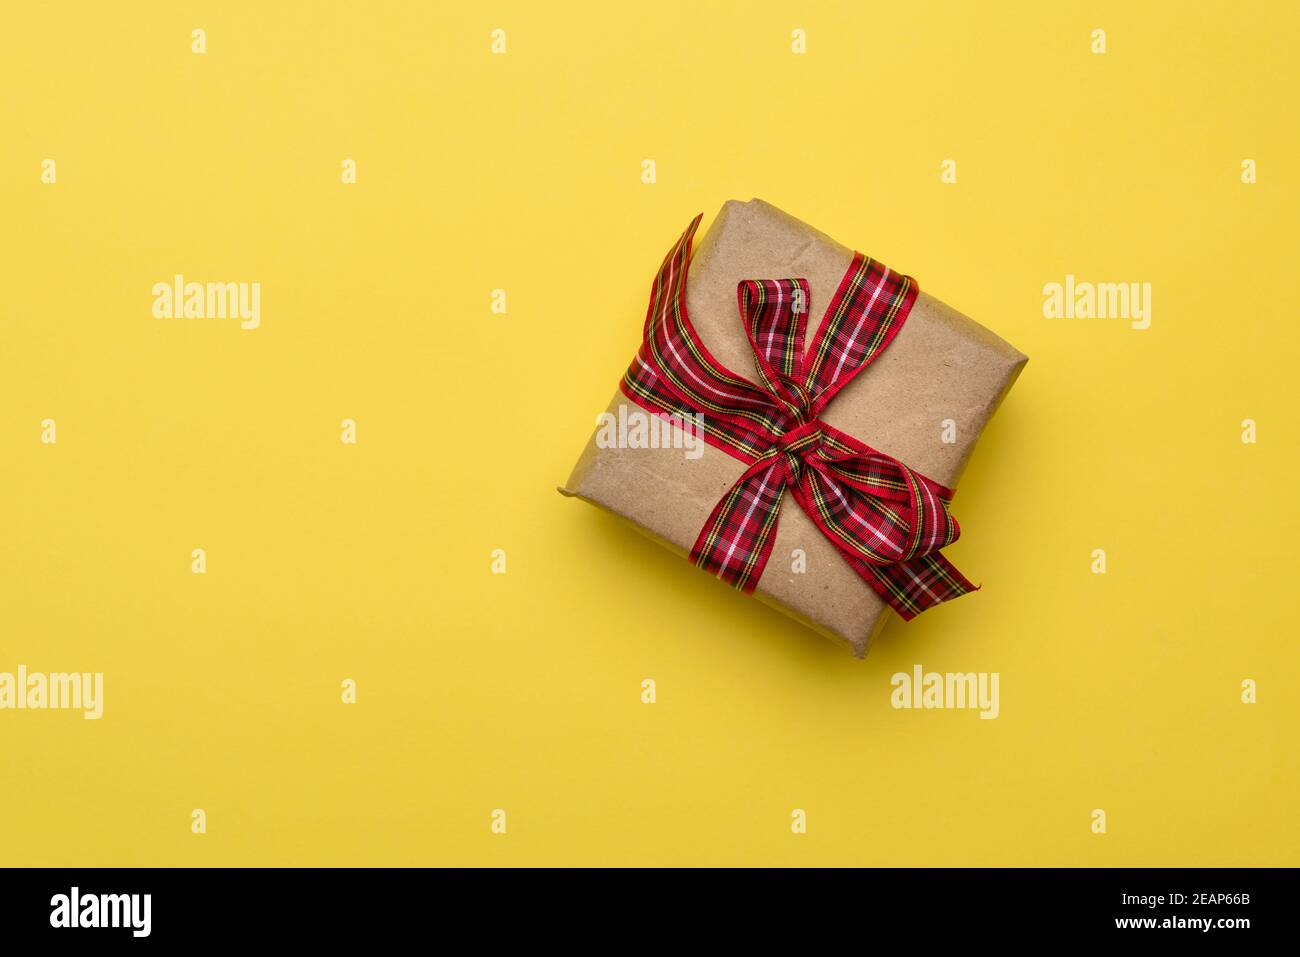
(915, 585)
(737, 540)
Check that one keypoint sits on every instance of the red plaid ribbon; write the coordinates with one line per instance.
(887, 520)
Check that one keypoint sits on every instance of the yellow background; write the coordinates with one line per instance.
(522, 691)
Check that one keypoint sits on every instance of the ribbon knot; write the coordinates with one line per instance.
(885, 519)
(796, 445)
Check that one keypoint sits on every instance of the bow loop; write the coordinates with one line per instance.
(775, 315)
(873, 506)
(866, 312)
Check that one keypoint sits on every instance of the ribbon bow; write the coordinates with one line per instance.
(888, 521)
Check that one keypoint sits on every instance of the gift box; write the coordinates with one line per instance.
(795, 422)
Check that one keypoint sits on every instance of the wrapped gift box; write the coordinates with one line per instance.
(940, 366)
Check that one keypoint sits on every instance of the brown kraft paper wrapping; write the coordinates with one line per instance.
(941, 365)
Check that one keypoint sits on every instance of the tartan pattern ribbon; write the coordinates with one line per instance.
(888, 521)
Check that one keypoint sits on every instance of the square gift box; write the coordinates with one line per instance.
(938, 365)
